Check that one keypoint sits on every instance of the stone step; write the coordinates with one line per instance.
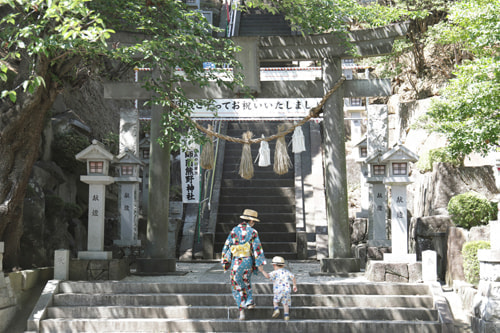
(285, 255)
(265, 237)
(263, 209)
(222, 312)
(335, 289)
(229, 220)
(270, 247)
(278, 227)
(259, 173)
(232, 325)
(257, 183)
(287, 192)
(255, 200)
(203, 299)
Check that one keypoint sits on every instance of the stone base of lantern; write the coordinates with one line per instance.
(340, 265)
(90, 270)
(379, 271)
(486, 308)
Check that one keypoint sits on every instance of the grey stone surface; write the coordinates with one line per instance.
(113, 269)
(454, 268)
(379, 271)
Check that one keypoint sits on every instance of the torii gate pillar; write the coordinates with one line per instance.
(339, 259)
(158, 257)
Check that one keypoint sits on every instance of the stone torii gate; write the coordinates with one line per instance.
(329, 49)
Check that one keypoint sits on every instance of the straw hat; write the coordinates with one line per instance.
(278, 260)
(249, 214)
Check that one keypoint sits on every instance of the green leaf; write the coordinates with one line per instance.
(9, 93)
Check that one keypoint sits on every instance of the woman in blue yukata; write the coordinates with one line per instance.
(243, 255)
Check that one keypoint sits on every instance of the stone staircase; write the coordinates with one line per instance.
(341, 306)
(271, 195)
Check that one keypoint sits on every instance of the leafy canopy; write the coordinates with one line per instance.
(168, 35)
(35, 30)
(468, 113)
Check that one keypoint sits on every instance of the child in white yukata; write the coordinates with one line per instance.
(282, 290)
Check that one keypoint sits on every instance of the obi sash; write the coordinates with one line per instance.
(241, 250)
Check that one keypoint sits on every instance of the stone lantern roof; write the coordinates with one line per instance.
(128, 160)
(96, 153)
(400, 155)
(373, 160)
(363, 143)
(127, 157)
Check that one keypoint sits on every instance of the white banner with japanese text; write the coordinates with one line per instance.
(259, 108)
(190, 173)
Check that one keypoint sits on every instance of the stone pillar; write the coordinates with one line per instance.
(97, 198)
(339, 241)
(429, 266)
(129, 131)
(365, 192)
(377, 141)
(250, 61)
(377, 235)
(128, 200)
(399, 226)
(128, 206)
(158, 257)
(61, 265)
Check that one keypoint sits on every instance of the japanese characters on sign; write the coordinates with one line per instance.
(94, 205)
(258, 108)
(190, 172)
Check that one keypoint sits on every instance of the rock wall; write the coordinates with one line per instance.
(56, 201)
(433, 190)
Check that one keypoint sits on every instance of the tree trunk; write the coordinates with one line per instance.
(21, 126)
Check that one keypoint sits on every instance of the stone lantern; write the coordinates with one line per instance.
(397, 159)
(144, 149)
(377, 171)
(97, 159)
(129, 168)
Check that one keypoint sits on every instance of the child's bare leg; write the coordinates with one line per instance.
(286, 308)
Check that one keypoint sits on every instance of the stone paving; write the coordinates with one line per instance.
(305, 272)
(212, 272)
